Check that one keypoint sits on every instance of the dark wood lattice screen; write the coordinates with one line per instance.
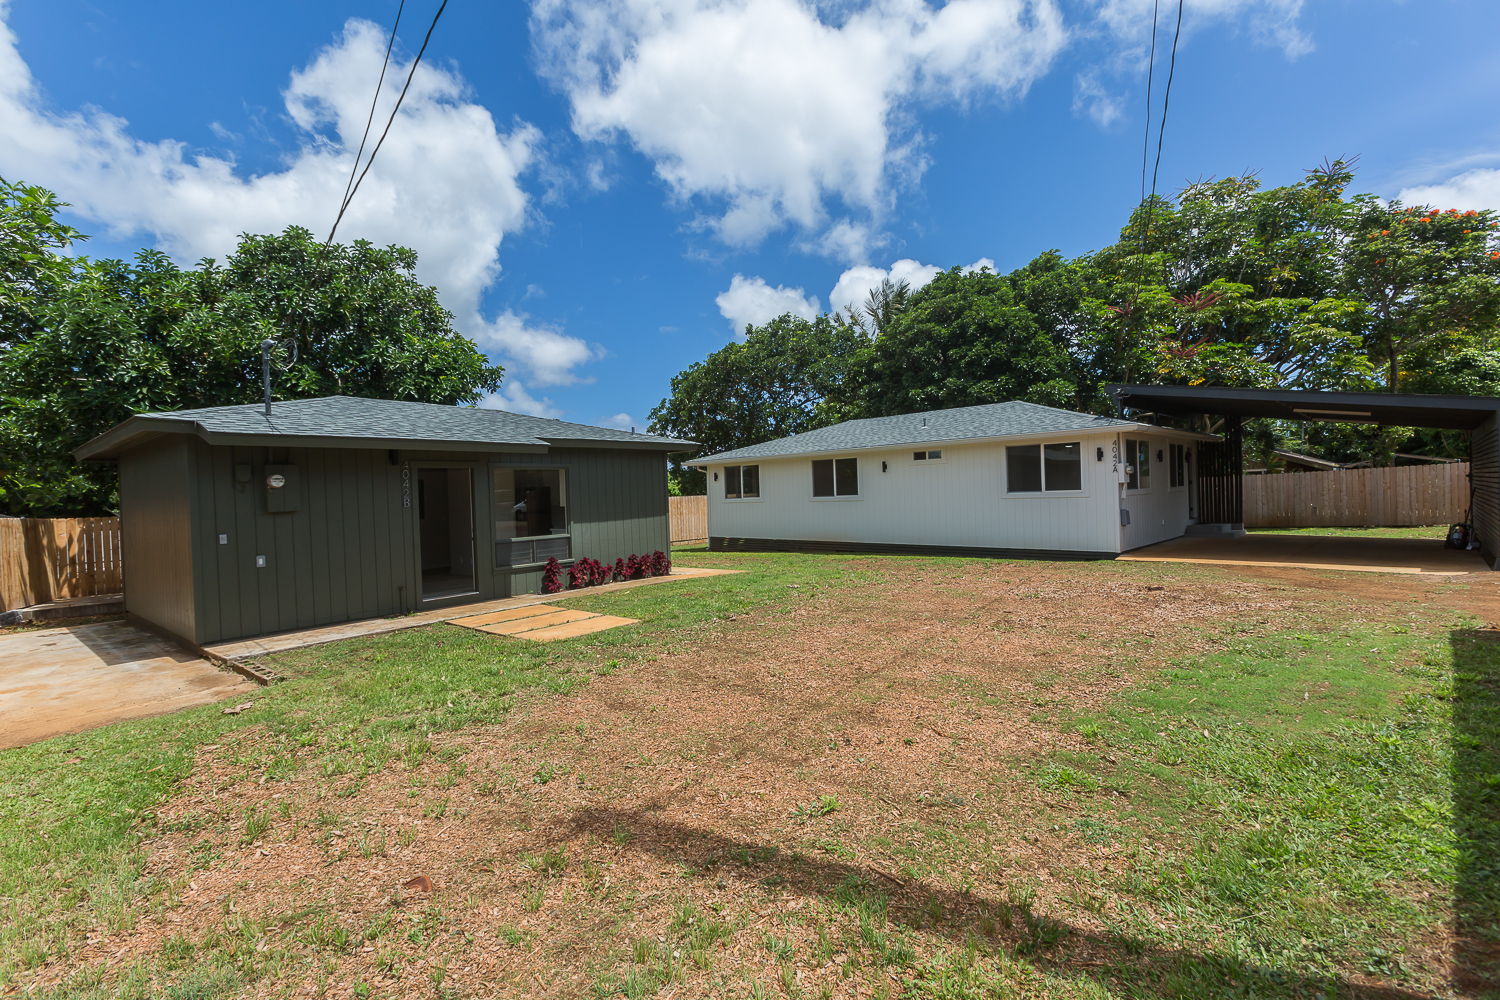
(1221, 496)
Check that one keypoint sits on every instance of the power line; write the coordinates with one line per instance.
(1162, 131)
(376, 100)
(1150, 73)
(373, 153)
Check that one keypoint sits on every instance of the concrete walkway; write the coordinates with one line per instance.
(242, 649)
(1424, 556)
(65, 680)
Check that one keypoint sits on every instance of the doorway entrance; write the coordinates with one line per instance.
(445, 516)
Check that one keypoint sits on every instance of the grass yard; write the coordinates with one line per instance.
(830, 776)
(1428, 531)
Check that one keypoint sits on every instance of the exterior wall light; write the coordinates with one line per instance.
(1098, 454)
(882, 466)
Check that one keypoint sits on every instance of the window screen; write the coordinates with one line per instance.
(919, 456)
(1177, 470)
(846, 475)
(731, 482)
(1063, 465)
(750, 481)
(823, 477)
(1023, 468)
(1132, 473)
(1143, 464)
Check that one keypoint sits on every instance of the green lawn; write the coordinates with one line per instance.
(1304, 809)
(1430, 531)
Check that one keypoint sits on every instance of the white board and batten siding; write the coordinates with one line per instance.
(960, 500)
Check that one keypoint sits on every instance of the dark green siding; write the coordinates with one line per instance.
(160, 585)
(349, 550)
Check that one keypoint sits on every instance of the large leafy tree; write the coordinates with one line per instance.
(787, 376)
(964, 339)
(109, 339)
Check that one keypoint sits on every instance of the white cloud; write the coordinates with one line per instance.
(446, 182)
(764, 111)
(547, 356)
(751, 300)
(1476, 189)
(620, 421)
(514, 398)
(855, 284)
(1090, 98)
(1273, 22)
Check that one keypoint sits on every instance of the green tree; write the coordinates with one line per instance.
(787, 376)
(121, 338)
(964, 339)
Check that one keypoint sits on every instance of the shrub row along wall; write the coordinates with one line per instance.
(52, 559)
(1403, 495)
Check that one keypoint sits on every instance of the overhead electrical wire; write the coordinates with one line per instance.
(1162, 130)
(1146, 138)
(374, 152)
(376, 100)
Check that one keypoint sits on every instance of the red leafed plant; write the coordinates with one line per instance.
(599, 573)
(619, 573)
(578, 575)
(661, 563)
(634, 570)
(552, 577)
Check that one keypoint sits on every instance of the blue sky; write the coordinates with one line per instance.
(604, 191)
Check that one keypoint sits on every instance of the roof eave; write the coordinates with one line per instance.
(1030, 435)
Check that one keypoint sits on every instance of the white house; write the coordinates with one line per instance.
(1003, 479)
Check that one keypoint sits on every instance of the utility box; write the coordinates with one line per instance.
(283, 491)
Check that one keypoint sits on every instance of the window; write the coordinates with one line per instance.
(741, 482)
(1177, 467)
(1023, 468)
(835, 477)
(1035, 468)
(531, 516)
(1063, 465)
(935, 455)
(1138, 471)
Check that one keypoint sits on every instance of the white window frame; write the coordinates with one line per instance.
(929, 460)
(1172, 466)
(1131, 459)
(836, 498)
(760, 486)
(1044, 493)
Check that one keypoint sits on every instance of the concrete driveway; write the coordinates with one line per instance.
(65, 680)
(1423, 556)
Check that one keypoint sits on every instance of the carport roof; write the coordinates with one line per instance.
(355, 422)
(1403, 409)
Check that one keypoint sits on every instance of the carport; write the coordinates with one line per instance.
(1220, 468)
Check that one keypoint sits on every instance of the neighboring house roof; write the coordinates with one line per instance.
(355, 422)
(964, 423)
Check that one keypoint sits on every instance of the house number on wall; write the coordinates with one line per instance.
(406, 484)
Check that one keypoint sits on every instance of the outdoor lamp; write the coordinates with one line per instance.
(1098, 454)
(882, 466)
(1158, 454)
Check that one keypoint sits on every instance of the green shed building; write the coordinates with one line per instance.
(238, 524)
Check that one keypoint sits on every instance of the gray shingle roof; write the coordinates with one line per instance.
(993, 420)
(352, 421)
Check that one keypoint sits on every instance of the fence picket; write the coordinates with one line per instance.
(1403, 495)
(54, 559)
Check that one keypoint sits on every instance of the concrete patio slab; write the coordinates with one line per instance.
(65, 680)
(245, 648)
(1423, 556)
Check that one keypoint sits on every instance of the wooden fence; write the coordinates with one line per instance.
(1353, 498)
(54, 559)
(689, 519)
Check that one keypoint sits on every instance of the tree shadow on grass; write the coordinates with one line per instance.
(1132, 965)
(1476, 809)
